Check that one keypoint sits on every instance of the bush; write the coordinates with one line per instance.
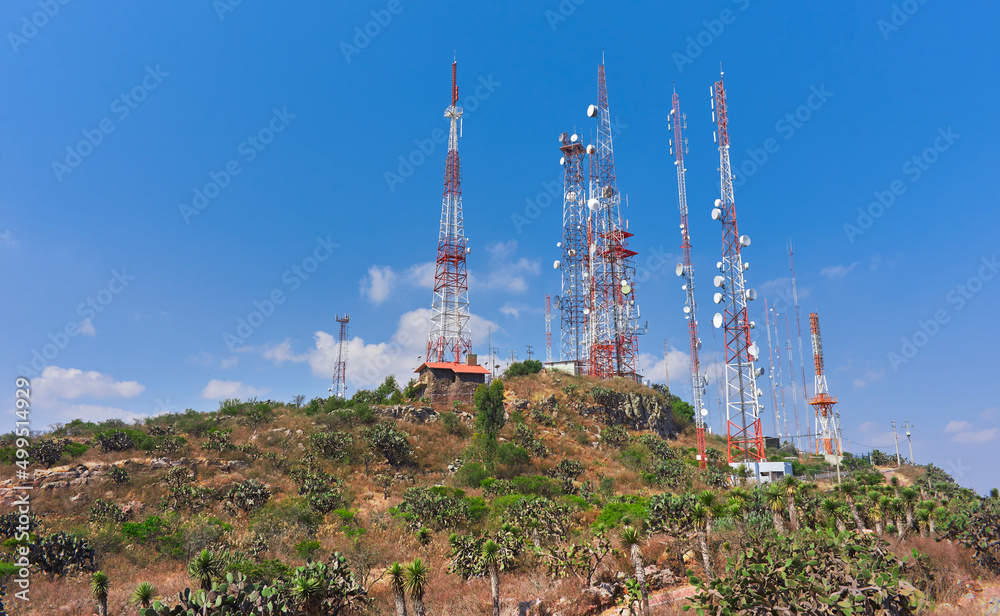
(538, 485)
(146, 532)
(510, 454)
(453, 424)
(625, 510)
(305, 549)
(529, 366)
(471, 475)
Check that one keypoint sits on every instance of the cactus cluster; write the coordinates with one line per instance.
(115, 440)
(822, 572)
(234, 597)
(60, 554)
(247, 495)
(525, 437)
(106, 511)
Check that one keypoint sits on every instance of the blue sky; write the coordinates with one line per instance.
(174, 165)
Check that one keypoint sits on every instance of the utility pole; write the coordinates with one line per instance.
(896, 436)
(907, 425)
(529, 351)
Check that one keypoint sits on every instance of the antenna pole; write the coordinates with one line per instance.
(896, 436)
(823, 402)
(677, 122)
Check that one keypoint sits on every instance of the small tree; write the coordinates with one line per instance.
(492, 559)
(47, 451)
(490, 417)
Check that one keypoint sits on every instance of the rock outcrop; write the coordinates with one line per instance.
(408, 413)
(634, 411)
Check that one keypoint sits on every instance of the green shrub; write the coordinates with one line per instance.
(567, 470)
(635, 456)
(529, 366)
(439, 507)
(124, 440)
(510, 454)
(623, 510)
(323, 490)
(306, 548)
(471, 475)
(538, 485)
(525, 438)
(146, 532)
(453, 424)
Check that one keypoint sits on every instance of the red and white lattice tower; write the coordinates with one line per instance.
(828, 440)
(613, 316)
(743, 429)
(678, 122)
(449, 337)
(573, 298)
(339, 389)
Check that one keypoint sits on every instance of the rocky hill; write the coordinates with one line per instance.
(578, 496)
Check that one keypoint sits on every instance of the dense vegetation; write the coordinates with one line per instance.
(331, 506)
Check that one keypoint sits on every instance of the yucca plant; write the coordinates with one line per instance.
(776, 503)
(397, 581)
(631, 540)
(416, 584)
(99, 586)
(204, 568)
(491, 558)
(309, 593)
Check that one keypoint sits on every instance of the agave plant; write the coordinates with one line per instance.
(143, 594)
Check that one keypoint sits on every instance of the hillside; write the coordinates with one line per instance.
(271, 490)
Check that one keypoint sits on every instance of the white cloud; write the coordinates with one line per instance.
(217, 390)
(70, 383)
(382, 281)
(503, 273)
(281, 353)
(87, 328)
(511, 310)
(57, 385)
(868, 426)
(957, 426)
(7, 238)
(988, 414)
(981, 436)
(203, 359)
(838, 272)
(228, 363)
(868, 378)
